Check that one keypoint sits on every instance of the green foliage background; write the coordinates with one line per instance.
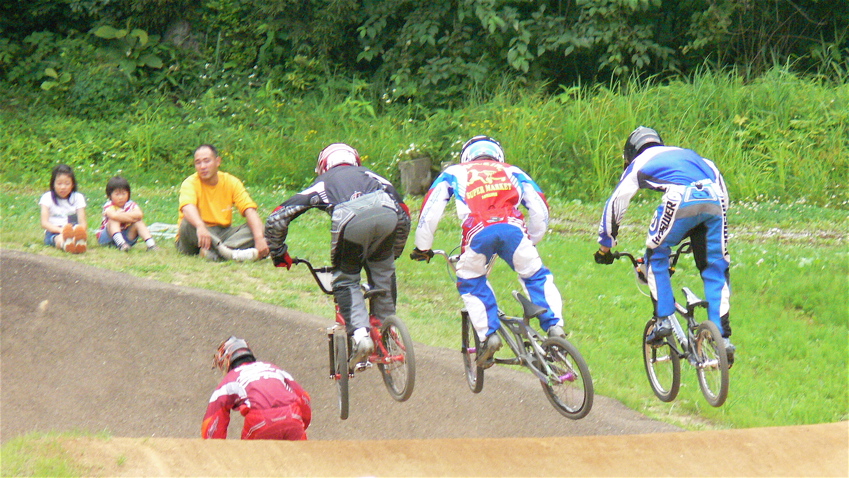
(430, 51)
(132, 86)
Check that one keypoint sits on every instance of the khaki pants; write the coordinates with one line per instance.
(232, 237)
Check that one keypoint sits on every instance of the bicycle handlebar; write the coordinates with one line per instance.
(619, 255)
(451, 260)
(683, 248)
(315, 271)
(440, 252)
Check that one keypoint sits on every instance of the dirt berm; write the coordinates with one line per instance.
(89, 349)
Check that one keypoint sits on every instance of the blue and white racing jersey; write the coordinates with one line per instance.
(661, 168)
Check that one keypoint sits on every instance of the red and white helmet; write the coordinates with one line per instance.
(230, 350)
(334, 155)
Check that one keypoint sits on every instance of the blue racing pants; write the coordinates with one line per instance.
(695, 212)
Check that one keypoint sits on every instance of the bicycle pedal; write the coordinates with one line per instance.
(363, 366)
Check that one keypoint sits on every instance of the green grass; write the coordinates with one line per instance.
(789, 279)
(41, 454)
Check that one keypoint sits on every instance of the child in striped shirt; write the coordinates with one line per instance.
(122, 223)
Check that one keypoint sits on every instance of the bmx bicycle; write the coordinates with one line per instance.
(560, 368)
(393, 348)
(701, 345)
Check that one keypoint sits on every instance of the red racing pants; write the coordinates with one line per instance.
(284, 423)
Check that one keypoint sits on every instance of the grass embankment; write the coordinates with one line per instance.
(779, 136)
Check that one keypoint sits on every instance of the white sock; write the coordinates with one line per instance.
(224, 251)
(119, 239)
(244, 255)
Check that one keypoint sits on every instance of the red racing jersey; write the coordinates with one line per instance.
(485, 193)
(256, 389)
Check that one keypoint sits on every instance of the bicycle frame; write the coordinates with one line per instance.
(554, 361)
(521, 332)
(521, 335)
(684, 340)
(380, 354)
(393, 347)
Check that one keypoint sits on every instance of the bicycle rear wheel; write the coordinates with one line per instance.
(663, 366)
(340, 348)
(470, 345)
(399, 371)
(570, 388)
(712, 363)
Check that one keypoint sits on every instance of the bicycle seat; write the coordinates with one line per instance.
(693, 300)
(530, 309)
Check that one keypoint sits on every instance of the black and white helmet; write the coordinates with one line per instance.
(639, 139)
(229, 351)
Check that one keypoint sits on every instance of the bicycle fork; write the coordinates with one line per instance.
(331, 353)
(331, 350)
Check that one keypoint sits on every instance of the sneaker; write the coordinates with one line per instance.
(487, 350)
(662, 328)
(729, 351)
(69, 243)
(80, 239)
(211, 255)
(245, 255)
(152, 248)
(124, 247)
(556, 331)
(361, 349)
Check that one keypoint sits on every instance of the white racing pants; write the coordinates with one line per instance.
(509, 242)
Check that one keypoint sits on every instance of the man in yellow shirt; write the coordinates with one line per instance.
(206, 214)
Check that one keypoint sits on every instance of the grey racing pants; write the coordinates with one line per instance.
(366, 241)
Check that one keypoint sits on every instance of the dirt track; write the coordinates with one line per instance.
(71, 361)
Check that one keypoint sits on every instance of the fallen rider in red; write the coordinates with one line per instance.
(274, 405)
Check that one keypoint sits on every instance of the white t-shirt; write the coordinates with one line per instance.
(59, 213)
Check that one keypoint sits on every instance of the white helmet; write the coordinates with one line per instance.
(230, 350)
(334, 155)
(482, 147)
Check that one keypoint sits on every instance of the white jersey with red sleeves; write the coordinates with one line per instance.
(486, 192)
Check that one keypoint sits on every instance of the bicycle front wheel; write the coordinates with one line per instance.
(711, 363)
(663, 366)
(398, 367)
(569, 387)
(340, 348)
(469, 348)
